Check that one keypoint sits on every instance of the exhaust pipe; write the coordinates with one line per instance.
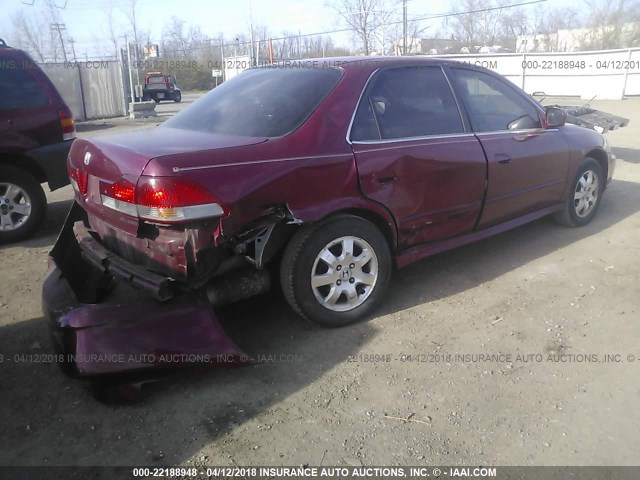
(237, 285)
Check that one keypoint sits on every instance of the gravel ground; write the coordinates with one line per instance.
(540, 292)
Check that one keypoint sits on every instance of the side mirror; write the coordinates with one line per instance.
(556, 117)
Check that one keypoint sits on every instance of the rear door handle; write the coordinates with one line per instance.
(383, 179)
(503, 159)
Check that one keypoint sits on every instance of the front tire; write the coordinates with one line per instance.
(22, 204)
(584, 196)
(336, 272)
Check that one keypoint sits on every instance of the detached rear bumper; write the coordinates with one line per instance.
(125, 334)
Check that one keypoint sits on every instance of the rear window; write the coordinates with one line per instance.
(20, 89)
(158, 79)
(263, 102)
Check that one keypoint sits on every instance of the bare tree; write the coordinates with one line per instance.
(112, 31)
(464, 26)
(612, 24)
(34, 34)
(359, 15)
(546, 24)
(392, 34)
(174, 38)
(137, 35)
(27, 35)
(480, 22)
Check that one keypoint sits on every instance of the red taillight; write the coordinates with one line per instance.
(79, 179)
(67, 124)
(124, 192)
(164, 199)
(171, 192)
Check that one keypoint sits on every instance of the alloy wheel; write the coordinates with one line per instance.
(15, 207)
(344, 274)
(586, 194)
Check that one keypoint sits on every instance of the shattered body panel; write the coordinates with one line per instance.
(124, 331)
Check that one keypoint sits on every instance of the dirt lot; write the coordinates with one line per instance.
(539, 290)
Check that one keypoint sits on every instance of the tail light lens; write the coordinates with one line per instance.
(163, 199)
(79, 179)
(67, 124)
(120, 196)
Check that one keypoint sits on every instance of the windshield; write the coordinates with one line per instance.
(262, 102)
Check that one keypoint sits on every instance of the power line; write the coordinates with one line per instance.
(343, 30)
(427, 17)
(55, 4)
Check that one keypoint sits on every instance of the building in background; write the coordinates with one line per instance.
(581, 39)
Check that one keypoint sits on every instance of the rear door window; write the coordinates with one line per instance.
(493, 104)
(407, 102)
(20, 89)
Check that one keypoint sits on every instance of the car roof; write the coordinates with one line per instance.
(11, 51)
(365, 62)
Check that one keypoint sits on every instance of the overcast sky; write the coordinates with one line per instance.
(86, 19)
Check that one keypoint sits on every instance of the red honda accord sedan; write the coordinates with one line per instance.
(332, 171)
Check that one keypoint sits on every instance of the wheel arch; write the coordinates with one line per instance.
(602, 158)
(378, 220)
(282, 233)
(373, 212)
(24, 162)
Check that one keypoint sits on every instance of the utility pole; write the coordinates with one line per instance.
(133, 96)
(404, 27)
(59, 27)
(75, 61)
(363, 24)
(251, 34)
(221, 60)
(73, 49)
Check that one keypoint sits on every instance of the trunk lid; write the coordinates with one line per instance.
(105, 160)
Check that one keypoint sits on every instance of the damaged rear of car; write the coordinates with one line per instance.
(172, 221)
(333, 172)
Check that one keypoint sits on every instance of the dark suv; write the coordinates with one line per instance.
(36, 132)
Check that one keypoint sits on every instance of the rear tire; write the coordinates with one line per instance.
(177, 97)
(336, 272)
(584, 196)
(157, 100)
(23, 204)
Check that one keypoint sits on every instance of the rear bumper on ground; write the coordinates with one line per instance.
(123, 335)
